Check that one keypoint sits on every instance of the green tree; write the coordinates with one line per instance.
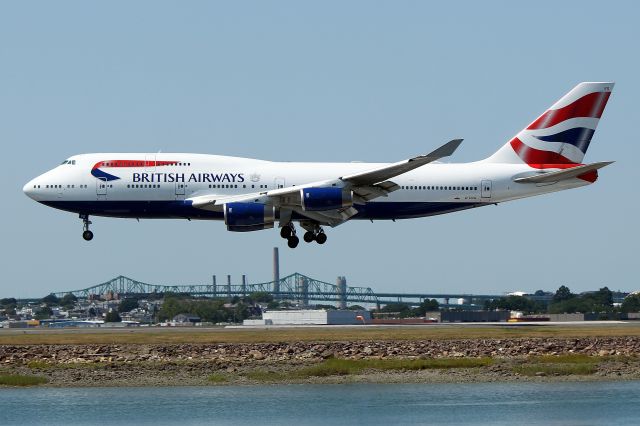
(356, 308)
(273, 305)
(603, 297)
(631, 303)
(44, 313)
(112, 316)
(326, 307)
(50, 299)
(261, 297)
(128, 304)
(563, 293)
(68, 301)
(401, 309)
(428, 305)
(8, 301)
(513, 303)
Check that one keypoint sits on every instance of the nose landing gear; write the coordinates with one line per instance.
(87, 234)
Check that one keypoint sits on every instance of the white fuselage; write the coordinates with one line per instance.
(160, 185)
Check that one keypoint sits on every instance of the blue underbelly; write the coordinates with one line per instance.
(179, 209)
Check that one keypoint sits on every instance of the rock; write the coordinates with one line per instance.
(256, 355)
(367, 351)
(540, 374)
(327, 353)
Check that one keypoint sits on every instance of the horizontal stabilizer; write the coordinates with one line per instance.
(565, 174)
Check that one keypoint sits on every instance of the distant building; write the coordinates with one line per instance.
(312, 317)
(186, 319)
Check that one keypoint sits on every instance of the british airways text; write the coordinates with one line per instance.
(193, 177)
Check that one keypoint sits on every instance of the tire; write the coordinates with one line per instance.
(285, 232)
(87, 235)
(293, 241)
(309, 236)
(321, 238)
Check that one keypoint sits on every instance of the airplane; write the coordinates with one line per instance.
(251, 195)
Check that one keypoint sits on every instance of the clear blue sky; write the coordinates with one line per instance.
(317, 81)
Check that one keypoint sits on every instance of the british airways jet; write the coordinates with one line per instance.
(251, 195)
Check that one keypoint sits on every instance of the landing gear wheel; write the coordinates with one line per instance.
(293, 241)
(309, 236)
(286, 231)
(87, 235)
(321, 238)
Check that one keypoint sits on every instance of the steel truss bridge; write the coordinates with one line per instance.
(296, 287)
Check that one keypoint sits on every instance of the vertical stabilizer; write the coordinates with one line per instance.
(560, 137)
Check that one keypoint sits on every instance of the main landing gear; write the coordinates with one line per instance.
(87, 234)
(288, 232)
(316, 234)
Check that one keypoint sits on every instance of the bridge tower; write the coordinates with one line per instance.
(341, 282)
(276, 273)
(302, 289)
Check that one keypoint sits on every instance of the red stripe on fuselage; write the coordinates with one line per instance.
(591, 105)
(133, 163)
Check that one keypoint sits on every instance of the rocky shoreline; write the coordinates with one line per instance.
(230, 363)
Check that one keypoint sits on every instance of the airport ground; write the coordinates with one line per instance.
(323, 354)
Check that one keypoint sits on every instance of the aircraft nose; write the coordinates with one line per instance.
(29, 189)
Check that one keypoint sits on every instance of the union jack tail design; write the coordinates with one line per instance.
(560, 137)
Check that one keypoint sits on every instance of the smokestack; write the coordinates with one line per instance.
(215, 287)
(276, 272)
(244, 285)
(229, 286)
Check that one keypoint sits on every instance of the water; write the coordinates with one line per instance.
(510, 404)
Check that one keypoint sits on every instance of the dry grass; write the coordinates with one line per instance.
(275, 335)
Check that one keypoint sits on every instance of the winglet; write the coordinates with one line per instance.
(445, 150)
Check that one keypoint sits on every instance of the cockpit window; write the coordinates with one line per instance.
(65, 162)
(70, 162)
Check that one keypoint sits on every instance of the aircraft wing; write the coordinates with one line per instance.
(387, 172)
(365, 186)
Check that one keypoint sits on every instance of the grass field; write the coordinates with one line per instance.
(220, 335)
(346, 367)
(20, 380)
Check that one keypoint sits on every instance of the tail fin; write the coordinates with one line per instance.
(560, 137)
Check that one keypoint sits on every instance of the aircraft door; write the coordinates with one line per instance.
(101, 187)
(279, 182)
(180, 189)
(485, 187)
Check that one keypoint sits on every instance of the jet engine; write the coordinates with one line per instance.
(321, 199)
(246, 217)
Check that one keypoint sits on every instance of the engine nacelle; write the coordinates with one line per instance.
(246, 217)
(321, 199)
